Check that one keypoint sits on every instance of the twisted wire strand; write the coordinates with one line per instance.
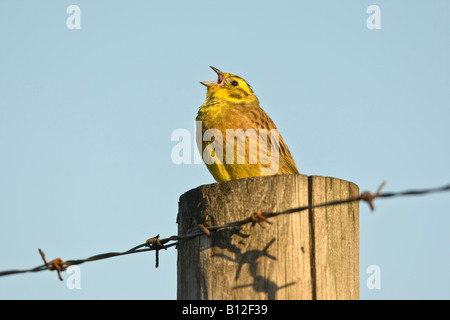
(156, 244)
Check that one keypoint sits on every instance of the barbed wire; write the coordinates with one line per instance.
(156, 244)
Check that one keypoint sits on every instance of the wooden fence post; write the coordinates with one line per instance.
(304, 255)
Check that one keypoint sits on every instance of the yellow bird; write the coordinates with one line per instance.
(238, 139)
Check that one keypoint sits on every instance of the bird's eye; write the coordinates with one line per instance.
(234, 83)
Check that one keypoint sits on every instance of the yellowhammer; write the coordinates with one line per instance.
(238, 139)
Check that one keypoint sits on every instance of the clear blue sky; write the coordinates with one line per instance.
(86, 118)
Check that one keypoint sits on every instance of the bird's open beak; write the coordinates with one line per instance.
(212, 83)
(208, 83)
(219, 73)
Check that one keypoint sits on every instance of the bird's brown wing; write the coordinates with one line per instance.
(253, 116)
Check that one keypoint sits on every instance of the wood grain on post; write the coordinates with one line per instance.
(304, 255)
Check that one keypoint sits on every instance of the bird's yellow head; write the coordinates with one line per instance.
(229, 88)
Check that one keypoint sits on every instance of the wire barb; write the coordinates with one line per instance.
(56, 264)
(369, 197)
(204, 229)
(258, 217)
(155, 243)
